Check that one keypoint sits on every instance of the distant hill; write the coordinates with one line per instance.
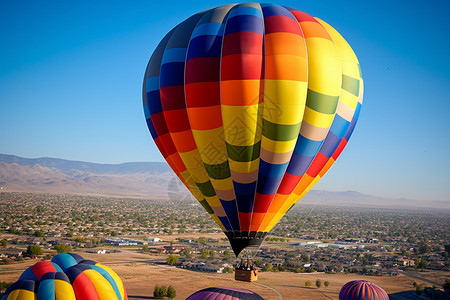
(53, 175)
(356, 199)
(145, 180)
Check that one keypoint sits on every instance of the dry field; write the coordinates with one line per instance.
(140, 278)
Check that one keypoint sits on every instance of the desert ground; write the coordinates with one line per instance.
(140, 274)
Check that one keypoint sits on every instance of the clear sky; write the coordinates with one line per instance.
(71, 75)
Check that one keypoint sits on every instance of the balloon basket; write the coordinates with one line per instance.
(245, 275)
(246, 271)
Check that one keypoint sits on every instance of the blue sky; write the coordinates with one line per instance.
(71, 75)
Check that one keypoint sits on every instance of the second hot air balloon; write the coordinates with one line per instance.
(250, 105)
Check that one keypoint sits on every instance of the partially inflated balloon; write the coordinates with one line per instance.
(250, 105)
(67, 277)
(362, 290)
(214, 293)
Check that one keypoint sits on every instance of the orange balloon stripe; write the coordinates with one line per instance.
(184, 141)
(198, 120)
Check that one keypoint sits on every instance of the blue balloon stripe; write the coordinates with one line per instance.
(330, 144)
(245, 11)
(154, 102)
(152, 84)
(205, 46)
(245, 24)
(46, 289)
(357, 111)
(231, 211)
(271, 170)
(275, 10)
(172, 74)
(146, 112)
(57, 267)
(108, 277)
(215, 29)
(339, 126)
(299, 164)
(307, 147)
(225, 223)
(151, 128)
(353, 122)
(28, 274)
(245, 188)
(64, 260)
(172, 55)
(245, 202)
(268, 185)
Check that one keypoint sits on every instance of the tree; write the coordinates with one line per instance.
(419, 289)
(159, 291)
(364, 261)
(227, 270)
(171, 293)
(205, 254)
(33, 250)
(421, 263)
(267, 267)
(63, 248)
(187, 252)
(4, 285)
(4, 243)
(424, 248)
(446, 285)
(172, 260)
(326, 283)
(258, 262)
(318, 283)
(162, 291)
(307, 283)
(39, 233)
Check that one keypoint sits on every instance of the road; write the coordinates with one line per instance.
(417, 276)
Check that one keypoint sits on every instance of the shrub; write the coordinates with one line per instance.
(171, 293)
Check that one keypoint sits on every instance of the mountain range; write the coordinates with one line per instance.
(147, 180)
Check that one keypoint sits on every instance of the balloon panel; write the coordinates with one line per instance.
(250, 105)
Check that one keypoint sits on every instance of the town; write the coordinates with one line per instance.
(308, 239)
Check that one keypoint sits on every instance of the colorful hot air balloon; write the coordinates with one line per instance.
(68, 276)
(224, 293)
(362, 290)
(250, 105)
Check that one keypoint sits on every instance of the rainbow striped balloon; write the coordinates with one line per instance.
(362, 290)
(216, 293)
(250, 105)
(67, 277)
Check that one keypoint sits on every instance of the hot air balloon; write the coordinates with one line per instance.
(250, 105)
(68, 276)
(225, 294)
(362, 290)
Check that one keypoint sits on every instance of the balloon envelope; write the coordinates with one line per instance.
(362, 290)
(250, 105)
(214, 293)
(68, 276)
